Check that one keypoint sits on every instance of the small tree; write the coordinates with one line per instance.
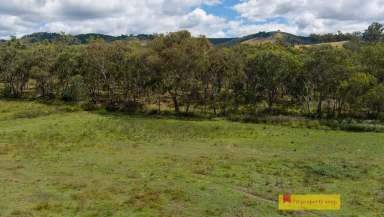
(222, 70)
(374, 33)
(271, 66)
(181, 57)
(372, 60)
(43, 60)
(353, 90)
(375, 99)
(66, 66)
(327, 66)
(15, 68)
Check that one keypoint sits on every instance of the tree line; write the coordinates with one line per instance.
(190, 74)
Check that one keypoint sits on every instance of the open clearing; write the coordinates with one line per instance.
(338, 44)
(61, 161)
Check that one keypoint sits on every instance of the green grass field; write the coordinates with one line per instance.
(339, 44)
(56, 160)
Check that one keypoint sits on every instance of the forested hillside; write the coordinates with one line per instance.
(261, 37)
(189, 74)
(79, 39)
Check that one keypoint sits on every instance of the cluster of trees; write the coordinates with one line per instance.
(339, 36)
(372, 34)
(188, 73)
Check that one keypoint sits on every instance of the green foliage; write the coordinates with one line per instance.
(372, 60)
(325, 38)
(270, 68)
(374, 33)
(43, 59)
(75, 90)
(328, 68)
(375, 98)
(189, 74)
(181, 60)
(15, 68)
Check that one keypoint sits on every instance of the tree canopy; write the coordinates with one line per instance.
(187, 73)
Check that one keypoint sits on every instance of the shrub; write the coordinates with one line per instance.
(75, 90)
(89, 106)
(7, 92)
(131, 107)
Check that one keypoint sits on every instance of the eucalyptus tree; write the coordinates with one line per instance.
(372, 60)
(353, 90)
(137, 73)
(222, 72)
(375, 99)
(270, 67)
(43, 59)
(67, 71)
(15, 68)
(327, 67)
(182, 58)
(96, 70)
(374, 33)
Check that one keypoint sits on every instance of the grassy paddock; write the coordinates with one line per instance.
(56, 160)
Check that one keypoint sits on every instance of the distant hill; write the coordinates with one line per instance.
(82, 38)
(258, 38)
(39, 37)
(286, 38)
(218, 41)
(273, 37)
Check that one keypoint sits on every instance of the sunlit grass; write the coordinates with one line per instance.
(61, 161)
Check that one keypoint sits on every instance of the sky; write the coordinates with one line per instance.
(212, 18)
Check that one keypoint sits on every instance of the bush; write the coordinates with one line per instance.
(380, 116)
(131, 107)
(354, 125)
(89, 106)
(75, 90)
(8, 93)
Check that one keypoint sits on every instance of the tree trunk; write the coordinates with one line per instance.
(214, 106)
(188, 103)
(308, 104)
(175, 104)
(271, 97)
(340, 109)
(187, 107)
(319, 106)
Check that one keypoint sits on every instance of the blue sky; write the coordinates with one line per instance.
(213, 18)
(224, 9)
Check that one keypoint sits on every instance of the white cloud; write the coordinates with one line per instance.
(309, 16)
(111, 17)
(238, 28)
(19, 17)
(201, 23)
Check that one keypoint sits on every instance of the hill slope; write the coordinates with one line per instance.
(80, 39)
(273, 37)
(261, 37)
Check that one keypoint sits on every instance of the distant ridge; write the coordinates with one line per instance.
(261, 37)
(273, 37)
(81, 38)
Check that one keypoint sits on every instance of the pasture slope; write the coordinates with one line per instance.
(60, 161)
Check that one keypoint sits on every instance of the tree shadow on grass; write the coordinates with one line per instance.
(152, 115)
